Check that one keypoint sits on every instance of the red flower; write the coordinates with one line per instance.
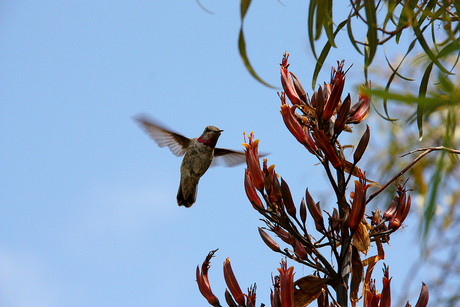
(203, 281)
(232, 283)
(287, 83)
(286, 285)
(337, 83)
(359, 204)
(252, 161)
(300, 133)
(361, 109)
(323, 143)
(251, 192)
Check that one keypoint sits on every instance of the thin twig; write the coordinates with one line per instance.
(432, 149)
(424, 153)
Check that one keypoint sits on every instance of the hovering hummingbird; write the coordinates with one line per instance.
(199, 153)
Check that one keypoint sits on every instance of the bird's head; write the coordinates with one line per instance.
(210, 136)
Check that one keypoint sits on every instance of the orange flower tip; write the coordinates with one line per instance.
(246, 145)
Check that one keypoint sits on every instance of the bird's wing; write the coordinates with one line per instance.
(228, 157)
(163, 137)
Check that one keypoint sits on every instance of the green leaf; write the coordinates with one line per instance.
(242, 49)
(450, 48)
(407, 99)
(395, 73)
(242, 45)
(311, 18)
(328, 22)
(323, 55)
(244, 5)
(372, 39)
(350, 35)
(422, 94)
(319, 18)
(426, 48)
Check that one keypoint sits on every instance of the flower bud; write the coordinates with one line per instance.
(303, 211)
(283, 234)
(229, 299)
(322, 142)
(391, 208)
(232, 283)
(342, 116)
(401, 213)
(203, 281)
(251, 191)
(298, 88)
(287, 198)
(269, 241)
(319, 103)
(359, 205)
(277, 189)
(361, 109)
(252, 161)
(334, 220)
(302, 135)
(423, 298)
(286, 81)
(315, 211)
(300, 250)
(362, 145)
(336, 92)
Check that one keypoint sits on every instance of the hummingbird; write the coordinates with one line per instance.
(199, 153)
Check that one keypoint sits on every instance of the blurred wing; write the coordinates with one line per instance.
(228, 157)
(163, 137)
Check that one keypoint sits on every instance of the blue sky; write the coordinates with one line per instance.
(88, 211)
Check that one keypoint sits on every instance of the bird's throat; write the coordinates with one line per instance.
(211, 142)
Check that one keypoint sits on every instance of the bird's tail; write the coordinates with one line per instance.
(186, 196)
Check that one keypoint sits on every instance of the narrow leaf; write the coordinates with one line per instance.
(328, 22)
(350, 35)
(311, 18)
(242, 45)
(319, 19)
(426, 48)
(422, 94)
(323, 55)
(372, 39)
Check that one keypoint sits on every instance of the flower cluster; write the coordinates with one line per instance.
(346, 234)
(323, 117)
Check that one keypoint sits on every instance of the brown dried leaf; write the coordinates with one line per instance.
(361, 239)
(307, 289)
